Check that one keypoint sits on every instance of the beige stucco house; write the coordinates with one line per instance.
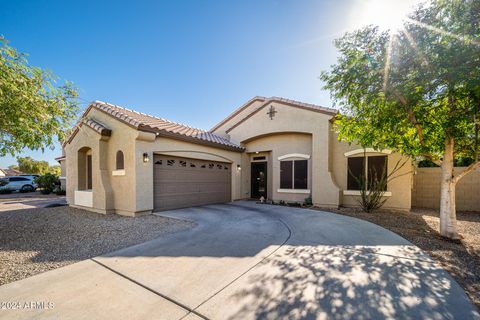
(121, 161)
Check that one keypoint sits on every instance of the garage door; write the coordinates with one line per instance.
(184, 182)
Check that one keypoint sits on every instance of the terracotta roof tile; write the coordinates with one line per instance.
(97, 127)
(147, 122)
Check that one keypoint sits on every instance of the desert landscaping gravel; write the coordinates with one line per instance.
(37, 240)
(460, 258)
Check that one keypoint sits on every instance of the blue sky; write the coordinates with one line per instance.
(188, 61)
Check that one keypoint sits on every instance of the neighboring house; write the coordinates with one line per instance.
(9, 172)
(62, 178)
(121, 161)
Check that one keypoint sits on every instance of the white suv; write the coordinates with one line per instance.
(20, 184)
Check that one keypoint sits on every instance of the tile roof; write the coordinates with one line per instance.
(11, 172)
(97, 127)
(145, 122)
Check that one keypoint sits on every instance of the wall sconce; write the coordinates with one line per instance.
(239, 167)
(146, 158)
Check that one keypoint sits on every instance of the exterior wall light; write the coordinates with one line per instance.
(239, 167)
(146, 158)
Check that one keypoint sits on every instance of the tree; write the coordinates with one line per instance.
(33, 111)
(56, 170)
(416, 92)
(31, 166)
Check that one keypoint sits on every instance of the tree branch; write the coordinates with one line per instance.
(413, 120)
(469, 169)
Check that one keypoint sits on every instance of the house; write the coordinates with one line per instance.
(9, 172)
(126, 162)
(62, 178)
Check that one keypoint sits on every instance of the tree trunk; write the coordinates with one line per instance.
(448, 214)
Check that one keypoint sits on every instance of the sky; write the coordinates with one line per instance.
(193, 61)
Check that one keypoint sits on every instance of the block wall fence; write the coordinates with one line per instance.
(426, 189)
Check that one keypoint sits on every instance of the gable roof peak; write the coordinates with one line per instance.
(264, 101)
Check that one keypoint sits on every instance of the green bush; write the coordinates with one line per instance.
(308, 202)
(46, 183)
(60, 192)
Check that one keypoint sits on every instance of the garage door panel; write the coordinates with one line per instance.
(183, 182)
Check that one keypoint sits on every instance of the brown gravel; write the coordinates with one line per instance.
(36, 240)
(421, 226)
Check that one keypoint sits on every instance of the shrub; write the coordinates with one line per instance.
(308, 202)
(60, 192)
(46, 182)
(282, 203)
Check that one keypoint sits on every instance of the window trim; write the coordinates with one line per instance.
(358, 193)
(294, 155)
(293, 189)
(120, 172)
(366, 151)
(303, 191)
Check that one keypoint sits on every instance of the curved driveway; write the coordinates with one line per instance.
(250, 261)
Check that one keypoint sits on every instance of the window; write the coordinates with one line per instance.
(119, 161)
(170, 162)
(18, 179)
(300, 174)
(294, 174)
(183, 163)
(376, 166)
(89, 172)
(259, 158)
(84, 169)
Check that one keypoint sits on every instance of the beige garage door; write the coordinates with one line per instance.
(184, 182)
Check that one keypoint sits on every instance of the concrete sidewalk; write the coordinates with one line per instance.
(249, 261)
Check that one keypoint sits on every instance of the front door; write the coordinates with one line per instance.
(259, 180)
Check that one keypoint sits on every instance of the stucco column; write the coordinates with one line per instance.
(102, 189)
(325, 193)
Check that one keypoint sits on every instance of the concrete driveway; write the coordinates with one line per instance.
(249, 261)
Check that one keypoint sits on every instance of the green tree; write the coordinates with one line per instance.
(29, 165)
(13, 167)
(55, 170)
(32, 166)
(416, 92)
(33, 110)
